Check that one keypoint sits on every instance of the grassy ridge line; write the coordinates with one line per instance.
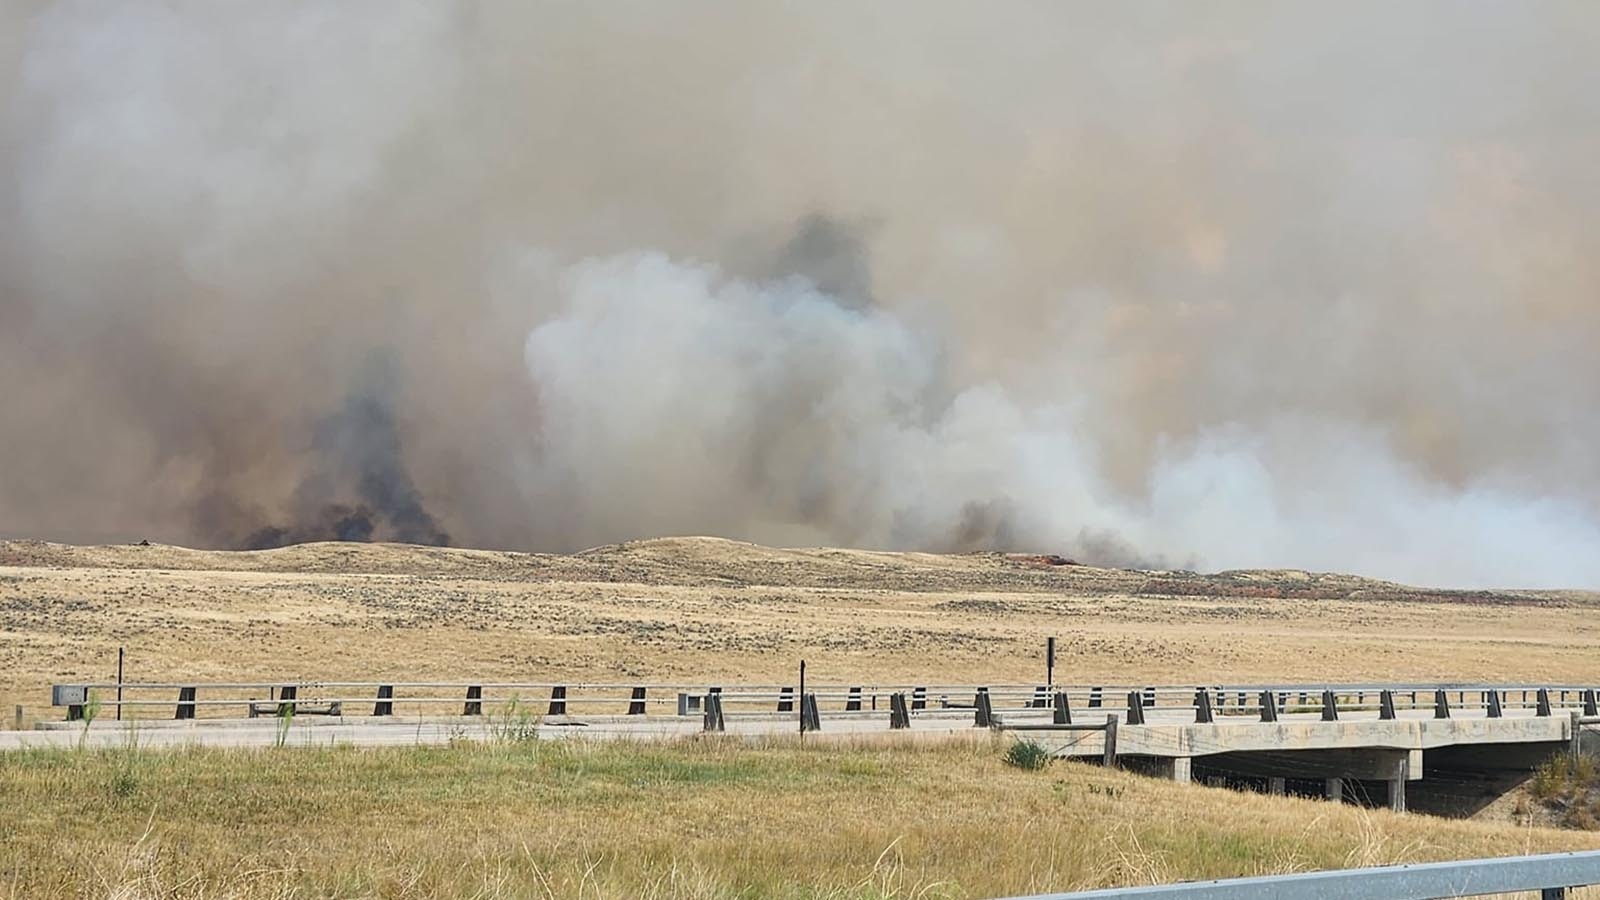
(701, 818)
(708, 562)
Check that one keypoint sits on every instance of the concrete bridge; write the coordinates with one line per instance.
(1452, 748)
(1440, 748)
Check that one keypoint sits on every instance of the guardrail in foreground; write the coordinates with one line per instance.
(1551, 874)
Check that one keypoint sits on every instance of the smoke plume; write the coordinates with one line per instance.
(1232, 285)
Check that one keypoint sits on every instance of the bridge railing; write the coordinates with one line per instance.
(1551, 874)
(1007, 702)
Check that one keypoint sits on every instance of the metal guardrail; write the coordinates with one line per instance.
(1208, 702)
(1551, 874)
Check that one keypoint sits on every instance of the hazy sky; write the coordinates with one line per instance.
(1210, 285)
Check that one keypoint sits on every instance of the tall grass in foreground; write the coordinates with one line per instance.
(701, 818)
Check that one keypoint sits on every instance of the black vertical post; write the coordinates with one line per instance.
(119, 684)
(1063, 711)
(1050, 662)
(185, 703)
(802, 696)
(899, 716)
(1135, 708)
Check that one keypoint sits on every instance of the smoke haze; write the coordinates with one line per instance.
(1174, 285)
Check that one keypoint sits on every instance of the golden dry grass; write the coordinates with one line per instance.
(694, 819)
(699, 609)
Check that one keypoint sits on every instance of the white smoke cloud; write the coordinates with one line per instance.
(771, 410)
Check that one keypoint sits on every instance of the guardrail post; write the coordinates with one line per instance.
(1269, 707)
(1543, 701)
(1386, 705)
(713, 715)
(185, 703)
(810, 719)
(1063, 710)
(899, 716)
(983, 715)
(786, 700)
(1149, 696)
(1135, 708)
(1110, 758)
(636, 703)
(558, 701)
(1330, 707)
(1041, 697)
(919, 698)
(698, 702)
(853, 702)
(1494, 709)
(1441, 705)
(288, 693)
(1094, 698)
(1202, 706)
(1589, 703)
(474, 704)
(385, 703)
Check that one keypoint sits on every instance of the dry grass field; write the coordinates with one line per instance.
(701, 818)
(694, 609)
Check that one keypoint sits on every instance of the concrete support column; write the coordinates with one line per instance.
(1177, 768)
(1397, 785)
(1182, 767)
(1335, 789)
(1276, 787)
